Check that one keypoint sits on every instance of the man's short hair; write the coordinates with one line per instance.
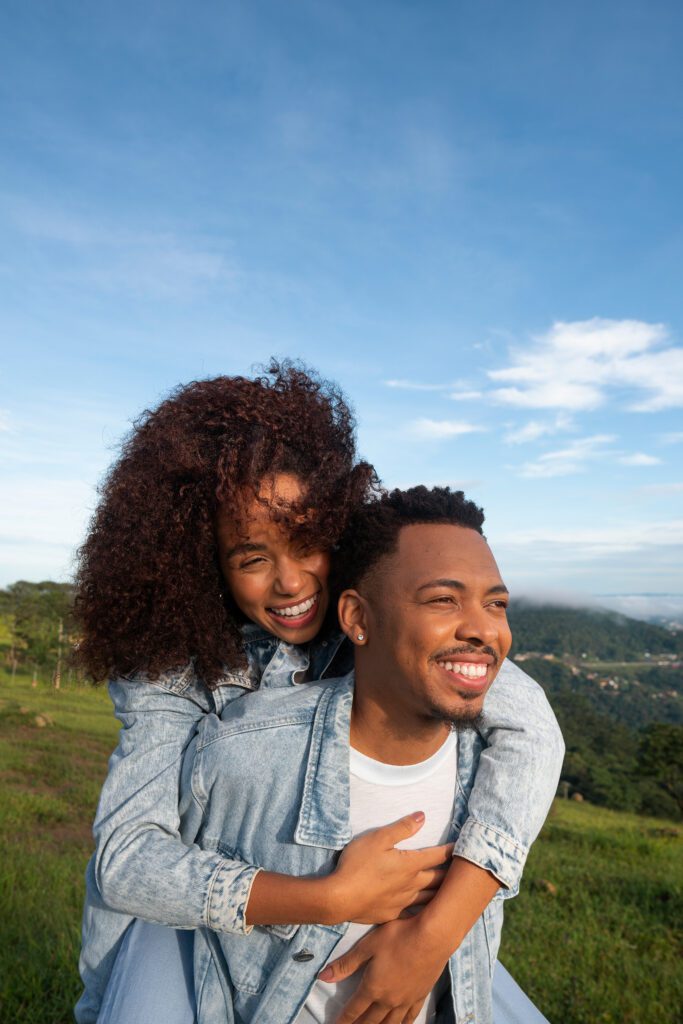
(373, 530)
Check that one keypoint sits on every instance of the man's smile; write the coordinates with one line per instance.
(470, 668)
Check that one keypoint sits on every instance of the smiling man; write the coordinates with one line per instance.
(424, 605)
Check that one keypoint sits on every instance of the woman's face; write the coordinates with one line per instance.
(274, 583)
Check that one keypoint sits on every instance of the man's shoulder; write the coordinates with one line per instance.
(272, 709)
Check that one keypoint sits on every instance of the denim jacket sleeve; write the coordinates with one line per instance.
(142, 867)
(516, 776)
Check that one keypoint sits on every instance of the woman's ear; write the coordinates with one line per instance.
(352, 614)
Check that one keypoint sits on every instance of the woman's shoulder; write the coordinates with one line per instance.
(140, 690)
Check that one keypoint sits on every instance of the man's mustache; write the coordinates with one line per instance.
(450, 652)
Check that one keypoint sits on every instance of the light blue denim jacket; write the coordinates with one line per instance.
(141, 866)
(268, 784)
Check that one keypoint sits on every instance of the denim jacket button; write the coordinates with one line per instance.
(303, 956)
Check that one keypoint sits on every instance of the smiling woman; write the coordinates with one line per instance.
(210, 544)
(274, 581)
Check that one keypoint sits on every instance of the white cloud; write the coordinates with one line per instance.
(569, 460)
(439, 429)
(639, 459)
(410, 385)
(533, 430)
(672, 488)
(41, 523)
(597, 541)
(675, 437)
(645, 606)
(575, 365)
(465, 396)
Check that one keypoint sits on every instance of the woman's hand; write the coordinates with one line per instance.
(401, 969)
(374, 882)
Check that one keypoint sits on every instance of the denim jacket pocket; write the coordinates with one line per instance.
(253, 957)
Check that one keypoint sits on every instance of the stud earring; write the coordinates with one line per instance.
(361, 636)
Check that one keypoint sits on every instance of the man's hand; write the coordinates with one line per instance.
(401, 969)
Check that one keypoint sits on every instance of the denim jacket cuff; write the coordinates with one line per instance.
(494, 851)
(228, 895)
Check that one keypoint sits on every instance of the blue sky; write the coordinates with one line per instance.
(467, 214)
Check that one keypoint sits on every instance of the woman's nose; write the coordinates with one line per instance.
(289, 576)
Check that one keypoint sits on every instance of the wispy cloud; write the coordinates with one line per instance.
(440, 429)
(412, 385)
(672, 488)
(599, 541)
(674, 437)
(569, 460)
(112, 257)
(465, 396)
(535, 429)
(639, 459)
(575, 366)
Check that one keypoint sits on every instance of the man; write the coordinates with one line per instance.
(425, 607)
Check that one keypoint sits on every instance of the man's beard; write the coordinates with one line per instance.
(461, 718)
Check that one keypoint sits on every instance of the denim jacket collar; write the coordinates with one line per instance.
(324, 815)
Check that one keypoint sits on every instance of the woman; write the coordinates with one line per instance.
(171, 607)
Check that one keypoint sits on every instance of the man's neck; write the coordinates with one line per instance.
(386, 735)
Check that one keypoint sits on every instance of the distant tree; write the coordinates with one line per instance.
(30, 616)
(660, 758)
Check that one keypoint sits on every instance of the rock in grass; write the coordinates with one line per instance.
(543, 885)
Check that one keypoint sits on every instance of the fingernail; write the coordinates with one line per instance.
(419, 816)
(326, 974)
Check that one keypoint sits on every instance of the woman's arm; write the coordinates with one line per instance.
(145, 868)
(512, 785)
(142, 866)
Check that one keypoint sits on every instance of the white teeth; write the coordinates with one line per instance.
(296, 609)
(466, 668)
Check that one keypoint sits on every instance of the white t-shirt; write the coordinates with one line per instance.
(380, 794)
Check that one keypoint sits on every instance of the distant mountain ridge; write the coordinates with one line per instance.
(587, 633)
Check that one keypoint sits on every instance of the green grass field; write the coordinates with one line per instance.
(603, 949)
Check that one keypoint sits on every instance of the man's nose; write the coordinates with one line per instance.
(476, 626)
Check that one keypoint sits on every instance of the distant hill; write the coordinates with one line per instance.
(611, 681)
(590, 632)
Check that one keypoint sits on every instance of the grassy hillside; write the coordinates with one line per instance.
(51, 776)
(601, 950)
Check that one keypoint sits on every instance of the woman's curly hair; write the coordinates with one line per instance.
(149, 589)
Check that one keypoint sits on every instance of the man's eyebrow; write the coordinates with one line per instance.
(244, 549)
(498, 588)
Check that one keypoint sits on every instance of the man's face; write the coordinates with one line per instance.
(436, 622)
